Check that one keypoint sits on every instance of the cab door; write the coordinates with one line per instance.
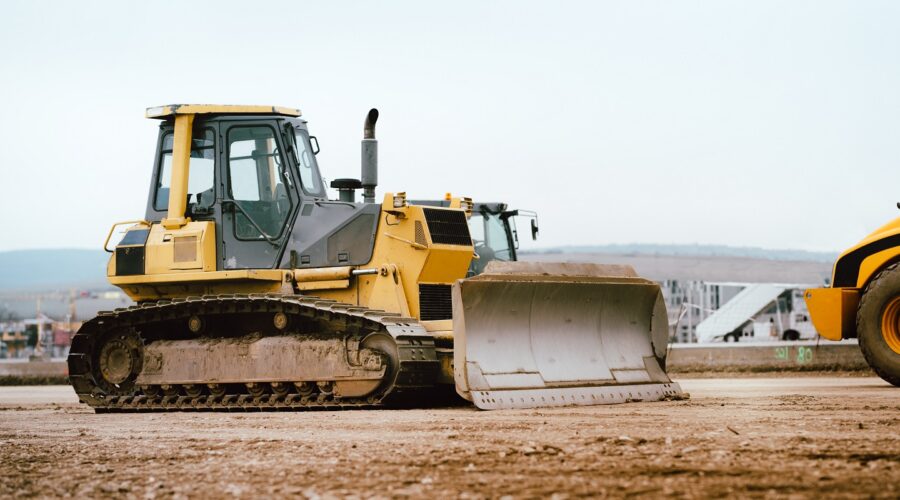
(259, 199)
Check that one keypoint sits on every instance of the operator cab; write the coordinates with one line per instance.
(260, 156)
(250, 169)
(493, 234)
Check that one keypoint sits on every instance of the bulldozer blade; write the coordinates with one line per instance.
(532, 334)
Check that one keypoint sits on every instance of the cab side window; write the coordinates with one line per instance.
(306, 162)
(200, 177)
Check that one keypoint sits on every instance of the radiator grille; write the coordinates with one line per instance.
(448, 227)
(435, 302)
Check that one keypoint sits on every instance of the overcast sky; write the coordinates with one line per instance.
(770, 124)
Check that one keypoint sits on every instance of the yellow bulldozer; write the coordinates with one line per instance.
(863, 300)
(254, 290)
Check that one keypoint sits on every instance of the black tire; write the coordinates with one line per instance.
(732, 337)
(791, 335)
(882, 291)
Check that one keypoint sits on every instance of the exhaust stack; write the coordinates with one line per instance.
(369, 175)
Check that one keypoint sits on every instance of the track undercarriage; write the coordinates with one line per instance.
(251, 352)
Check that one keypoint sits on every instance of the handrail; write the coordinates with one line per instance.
(117, 224)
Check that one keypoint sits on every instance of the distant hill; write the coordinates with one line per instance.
(54, 269)
(695, 251)
(60, 269)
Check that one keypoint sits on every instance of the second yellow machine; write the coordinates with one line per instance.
(863, 301)
(256, 291)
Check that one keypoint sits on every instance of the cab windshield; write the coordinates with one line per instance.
(491, 240)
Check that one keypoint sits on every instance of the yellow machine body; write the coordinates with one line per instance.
(397, 323)
(181, 262)
(180, 253)
(833, 309)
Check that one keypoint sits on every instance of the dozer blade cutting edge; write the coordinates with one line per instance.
(531, 334)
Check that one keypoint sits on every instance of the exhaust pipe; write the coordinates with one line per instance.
(369, 175)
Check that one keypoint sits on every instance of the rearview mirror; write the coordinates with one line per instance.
(315, 144)
(534, 229)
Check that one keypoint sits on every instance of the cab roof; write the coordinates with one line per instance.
(170, 110)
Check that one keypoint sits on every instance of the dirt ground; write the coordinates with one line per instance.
(794, 436)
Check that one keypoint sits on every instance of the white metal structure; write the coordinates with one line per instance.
(760, 312)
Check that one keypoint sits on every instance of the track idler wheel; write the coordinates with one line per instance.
(118, 362)
(387, 347)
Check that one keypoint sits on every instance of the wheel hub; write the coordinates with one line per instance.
(890, 324)
(117, 360)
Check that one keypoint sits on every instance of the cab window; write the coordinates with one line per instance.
(200, 175)
(257, 183)
(489, 235)
(306, 163)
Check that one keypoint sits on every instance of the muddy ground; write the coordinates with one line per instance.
(803, 436)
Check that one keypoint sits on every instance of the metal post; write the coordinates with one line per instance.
(181, 160)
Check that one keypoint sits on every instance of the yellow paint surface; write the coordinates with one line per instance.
(833, 311)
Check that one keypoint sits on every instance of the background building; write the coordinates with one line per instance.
(51, 318)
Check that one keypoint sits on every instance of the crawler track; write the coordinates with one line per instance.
(414, 383)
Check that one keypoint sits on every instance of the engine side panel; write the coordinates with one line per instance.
(331, 234)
